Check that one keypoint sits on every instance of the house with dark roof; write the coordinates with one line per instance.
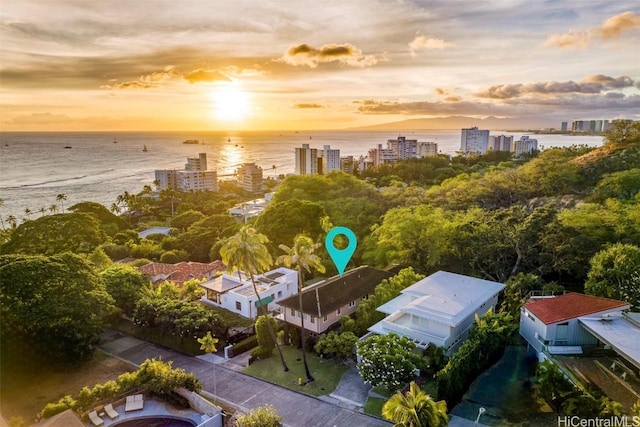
(324, 303)
(553, 325)
(180, 272)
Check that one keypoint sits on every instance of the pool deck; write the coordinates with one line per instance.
(152, 408)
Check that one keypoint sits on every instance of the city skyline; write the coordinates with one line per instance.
(114, 66)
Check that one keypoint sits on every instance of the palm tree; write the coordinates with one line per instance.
(245, 251)
(301, 255)
(12, 221)
(27, 212)
(42, 210)
(61, 198)
(53, 208)
(208, 344)
(415, 409)
(115, 208)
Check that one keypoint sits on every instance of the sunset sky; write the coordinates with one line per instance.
(323, 64)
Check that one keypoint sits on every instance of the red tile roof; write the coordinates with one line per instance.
(182, 271)
(570, 306)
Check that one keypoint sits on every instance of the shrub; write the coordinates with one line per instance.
(262, 416)
(261, 352)
(244, 345)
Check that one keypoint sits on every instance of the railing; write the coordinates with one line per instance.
(544, 294)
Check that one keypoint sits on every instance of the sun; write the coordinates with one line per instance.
(230, 102)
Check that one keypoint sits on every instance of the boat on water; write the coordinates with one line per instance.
(145, 149)
(67, 146)
(190, 141)
(115, 141)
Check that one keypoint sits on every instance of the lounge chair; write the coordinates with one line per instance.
(110, 411)
(95, 419)
(134, 403)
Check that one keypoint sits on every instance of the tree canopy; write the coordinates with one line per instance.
(56, 304)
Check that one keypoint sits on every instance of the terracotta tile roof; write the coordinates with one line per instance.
(570, 306)
(182, 271)
(338, 291)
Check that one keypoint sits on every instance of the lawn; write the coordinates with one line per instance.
(327, 373)
(374, 406)
(27, 386)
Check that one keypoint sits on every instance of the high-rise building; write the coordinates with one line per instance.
(347, 164)
(564, 126)
(330, 159)
(500, 142)
(524, 145)
(474, 140)
(194, 177)
(403, 147)
(380, 156)
(250, 177)
(427, 149)
(306, 160)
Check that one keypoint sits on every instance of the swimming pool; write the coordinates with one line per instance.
(156, 421)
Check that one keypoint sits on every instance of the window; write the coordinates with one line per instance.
(279, 294)
(293, 312)
(366, 296)
(238, 305)
(312, 319)
(352, 303)
(325, 319)
(338, 312)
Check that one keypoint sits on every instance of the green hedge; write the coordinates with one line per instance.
(244, 345)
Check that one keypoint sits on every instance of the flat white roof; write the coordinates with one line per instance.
(618, 332)
(446, 297)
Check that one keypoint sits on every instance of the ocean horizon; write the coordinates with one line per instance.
(36, 166)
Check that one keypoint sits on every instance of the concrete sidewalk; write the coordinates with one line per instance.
(238, 390)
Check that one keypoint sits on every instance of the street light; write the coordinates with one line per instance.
(480, 412)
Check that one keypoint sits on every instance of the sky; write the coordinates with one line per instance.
(80, 65)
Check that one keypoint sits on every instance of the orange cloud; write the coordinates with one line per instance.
(310, 105)
(200, 75)
(145, 82)
(421, 42)
(345, 53)
(611, 28)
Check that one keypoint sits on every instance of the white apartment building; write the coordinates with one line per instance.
(306, 160)
(330, 159)
(235, 293)
(380, 156)
(427, 149)
(250, 177)
(524, 145)
(501, 143)
(474, 140)
(347, 164)
(194, 177)
(403, 147)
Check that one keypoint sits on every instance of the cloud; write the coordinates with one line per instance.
(611, 28)
(345, 53)
(590, 84)
(432, 108)
(307, 105)
(200, 75)
(614, 26)
(148, 81)
(421, 42)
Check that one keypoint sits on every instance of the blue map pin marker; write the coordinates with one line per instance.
(340, 257)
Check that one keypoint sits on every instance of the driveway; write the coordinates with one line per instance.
(240, 391)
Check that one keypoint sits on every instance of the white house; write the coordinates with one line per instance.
(237, 294)
(438, 309)
(553, 324)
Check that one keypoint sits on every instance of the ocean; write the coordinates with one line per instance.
(35, 166)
